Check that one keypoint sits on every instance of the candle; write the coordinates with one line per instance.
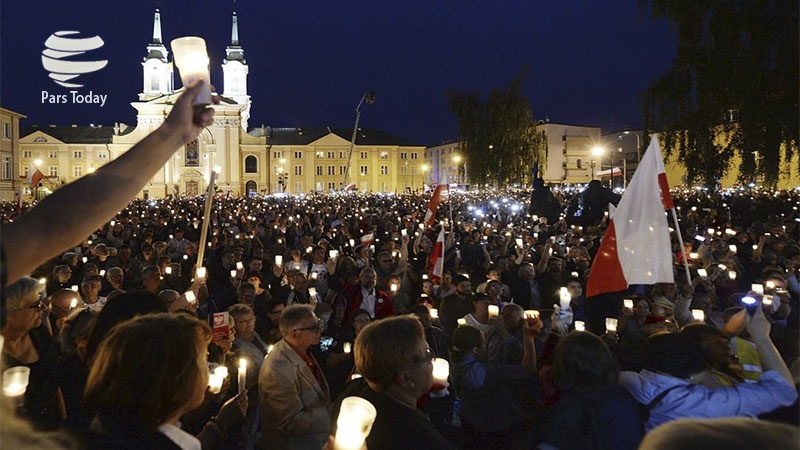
(404, 232)
(757, 288)
(580, 325)
(73, 303)
(347, 347)
(314, 275)
(190, 297)
(627, 303)
(494, 311)
(393, 287)
(215, 382)
(85, 260)
(422, 226)
(462, 322)
(699, 315)
(565, 298)
(611, 325)
(309, 249)
(702, 273)
(441, 371)
(693, 255)
(239, 265)
(354, 376)
(732, 274)
(765, 300)
(200, 273)
(732, 248)
(770, 284)
(233, 274)
(356, 416)
(312, 292)
(531, 313)
(333, 254)
(168, 270)
(74, 288)
(278, 260)
(242, 375)
(222, 371)
(191, 58)
(434, 313)
(15, 381)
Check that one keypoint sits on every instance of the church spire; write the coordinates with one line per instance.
(156, 49)
(157, 27)
(234, 52)
(157, 70)
(235, 27)
(234, 71)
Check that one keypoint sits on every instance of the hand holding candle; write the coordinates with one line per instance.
(565, 298)
(191, 58)
(356, 416)
(242, 375)
(15, 381)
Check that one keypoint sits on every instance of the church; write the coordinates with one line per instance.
(256, 161)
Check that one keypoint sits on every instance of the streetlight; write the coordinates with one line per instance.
(638, 145)
(597, 152)
(457, 160)
(368, 97)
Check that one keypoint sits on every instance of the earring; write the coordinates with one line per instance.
(411, 383)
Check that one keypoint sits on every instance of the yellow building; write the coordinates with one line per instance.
(10, 184)
(264, 160)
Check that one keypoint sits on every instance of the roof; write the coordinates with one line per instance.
(73, 135)
(305, 136)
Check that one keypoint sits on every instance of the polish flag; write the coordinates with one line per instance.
(636, 248)
(35, 176)
(367, 239)
(433, 205)
(436, 259)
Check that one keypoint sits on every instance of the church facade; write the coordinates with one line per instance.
(265, 160)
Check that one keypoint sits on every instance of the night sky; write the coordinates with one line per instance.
(311, 60)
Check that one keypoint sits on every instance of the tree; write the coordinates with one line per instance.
(499, 135)
(732, 88)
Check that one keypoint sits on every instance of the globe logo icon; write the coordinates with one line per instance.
(59, 50)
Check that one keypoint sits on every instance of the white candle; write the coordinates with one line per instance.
(200, 273)
(215, 382)
(269, 348)
(580, 326)
(309, 249)
(85, 260)
(191, 58)
(242, 375)
(356, 416)
(699, 315)
(434, 313)
(757, 288)
(221, 371)
(74, 288)
(441, 371)
(732, 248)
(628, 303)
(333, 254)
(565, 298)
(531, 313)
(702, 273)
(239, 265)
(233, 274)
(422, 226)
(462, 322)
(732, 274)
(15, 381)
(347, 347)
(278, 260)
(770, 284)
(73, 303)
(404, 232)
(494, 311)
(190, 297)
(611, 324)
(168, 270)
(766, 300)
(314, 275)
(693, 255)
(312, 292)
(393, 287)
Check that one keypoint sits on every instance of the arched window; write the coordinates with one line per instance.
(251, 164)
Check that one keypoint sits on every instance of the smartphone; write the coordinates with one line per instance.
(326, 343)
(750, 304)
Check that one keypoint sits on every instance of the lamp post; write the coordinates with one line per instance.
(368, 97)
(597, 152)
(638, 144)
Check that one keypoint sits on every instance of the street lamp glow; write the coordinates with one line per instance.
(424, 168)
(598, 151)
(457, 159)
(37, 162)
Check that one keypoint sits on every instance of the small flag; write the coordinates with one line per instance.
(436, 259)
(433, 205)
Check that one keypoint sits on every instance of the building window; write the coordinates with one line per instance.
(384, 186)
(77, 154)
(413, 155)
(251, 164)
(319, 171)
(277, 155)
(52, 154)
(7, 130)
(331, 170)
(331, 186)
(341, 155)
(192, 153)
(298, 155)
(404, 170)
(298, 187)
(320, 155)
(342, 170)
(384, 170)
(6, 168)
(384, 155)
(101, 155)
(298, 170)
(52, 171)
(77, 171)
(364, 155)
(331, 155)
(25, 171)
(27, 154)
(364, 171)
(413, 170)
(403, 155)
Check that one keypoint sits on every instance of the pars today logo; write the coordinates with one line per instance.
(59, 60)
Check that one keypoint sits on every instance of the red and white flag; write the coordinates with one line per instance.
(433, 205)
(636, 248)
(436, 259)
(367, 239)
(35, 176)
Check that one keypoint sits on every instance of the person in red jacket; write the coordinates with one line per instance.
(366, 296)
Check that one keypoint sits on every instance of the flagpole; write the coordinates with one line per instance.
(683, 248)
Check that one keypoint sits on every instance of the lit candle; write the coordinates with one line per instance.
(314, 275)
(168, 270)
(242, 375)
(393, 287)
(347, 347)
(766, 300)
(74, 288)
(279, 260)
(434, 313)
(239, 265)
(531, 314)
(190, 297)
(422, 226)
(222, 371)
(191, 58)
(404, 232)
(732, 248)
(441, 371)
(628, 303)
(702, 273)
(757, 288)
(462, 322)
(699, 315)
(693, 255)
(770, 284)
(73, 303)
(580, 325)
(732, 274)
(269, 348)
(233, 274)
(85, 260)
(200, 273)
(565, 298)
(356, 416)
(519, 242)
(312, 292)
(15, 381)
(494, 311)
(333, 254)
(215, 382)
(611, 324)
(355, 376)
(309, 249)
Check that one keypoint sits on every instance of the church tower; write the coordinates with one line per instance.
(157, 71)
(234, 72)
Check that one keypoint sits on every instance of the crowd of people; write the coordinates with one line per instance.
(305, 300)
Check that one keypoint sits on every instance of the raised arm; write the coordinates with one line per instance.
(74, 211)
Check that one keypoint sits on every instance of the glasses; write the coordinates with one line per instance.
(429, 357)
(318, 328)
(36, 306)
